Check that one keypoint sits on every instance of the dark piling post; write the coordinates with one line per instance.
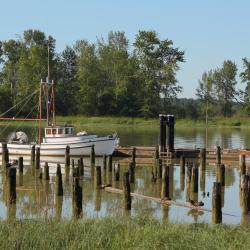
(218, 155)
(203, 180)
(5, 155)
(32, 155)
(72, 166)
(12, 185)
(77, 197)
(165, 183)
(117, 172)
(194, 179)
(216, 203)
(203, 158)
(131, 172)
(98, 177)
(156, 152)
(20, 164)
(92, 155)
(162, 136)
(159, 170)
(182, 165)
(245, 194)
(37, 157)
(242, 159)
(110, 163)
(67, 158)
(46, 171)
(220, 174)
(126, 190)
(81, 166)
(170, 122)
(189, 172)
(133, 155)
(104, 162)
(59, 184)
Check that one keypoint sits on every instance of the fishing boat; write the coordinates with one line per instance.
(58, 137)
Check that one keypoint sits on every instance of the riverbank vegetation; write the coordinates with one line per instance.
(116, 77)
(120, 233)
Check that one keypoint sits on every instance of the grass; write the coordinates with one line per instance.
(120, 233)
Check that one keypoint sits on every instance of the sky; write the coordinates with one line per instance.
(209, 31)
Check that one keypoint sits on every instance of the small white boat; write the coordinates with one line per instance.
(58, 137)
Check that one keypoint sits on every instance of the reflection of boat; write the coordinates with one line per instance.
(57, 137)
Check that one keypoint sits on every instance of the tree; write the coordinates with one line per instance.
(205, 91)
(245, 78)
(158, 62)
(225, 85)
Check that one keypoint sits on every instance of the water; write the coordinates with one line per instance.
(36, 198)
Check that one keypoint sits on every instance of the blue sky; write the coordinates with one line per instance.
(209, 31)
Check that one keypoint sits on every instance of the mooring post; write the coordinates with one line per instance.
(218, 155)
(77, 197)
(194, 179)
(37, 157)
(20, 164)
(126, 190)
(59, 184)
(203, 158)
(242, 159)
(162, 136)
(104, 162)
(32, 155)
(216, 203)
(133, 155)
(159, 170)
(170, 122)
(220, 174)
(5, 155)
(131, 172)
(117, 171)
(165, 183)
(46, 171)
(12, 185)
(157, 152)
(92, 155)
(245, 194)
(72, 166)
(81, 166)
(67, 158)
(110, 163)
(189, 172)
(98, 177)
(203, 180)
(182, 165)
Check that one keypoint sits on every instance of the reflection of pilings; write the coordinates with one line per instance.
(159, 170)
(98, 177)
(110, 163)
(104, 162)
(220, 174)
(203, 180)
(242, 162)
(182, 173)
(126, 190)
(37, 158)
(97, 199)
(245, 194)
(171, 181)
(203, 158)
(216, 203)
(12, 185)
(133, 155)
(77, 198)
(182, 181)
(165, 212)
(188, 181)
(131, 172)
(194, 183)
(218, 155)
(11, 212)
(46, 171)
(165, 182)
(117, 172)
(59, 203)
(92, 155)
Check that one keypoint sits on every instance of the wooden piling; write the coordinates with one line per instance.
(92, 155)
(77, 198)
(37, 157)
(98, 177)
(165, 194)
(67, 158)
(46, 171)
(245, 194)
(126, 190)
(203, 158)
(32, 155)
(131, 172)
(170, 140)
(133, 155)
(5, 155)
(242, 161)
(59, 183)
(159, 170)
(110, 163)
(162, 136)
(216, 203)
(218, 155)
(104, 162)
(20, 164)
(194, 179)
(182, 165)
(12, 185)
(220, 174)
(81, 166)
(117, 171)
(156, 152)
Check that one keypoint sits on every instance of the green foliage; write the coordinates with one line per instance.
(245, 78)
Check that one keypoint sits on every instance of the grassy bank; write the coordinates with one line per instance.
(121, 233)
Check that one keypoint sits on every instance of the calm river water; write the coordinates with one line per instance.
(36, 198)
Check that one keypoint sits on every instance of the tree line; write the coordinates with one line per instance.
(110, 77)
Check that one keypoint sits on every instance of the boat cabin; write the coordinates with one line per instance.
(58, 131)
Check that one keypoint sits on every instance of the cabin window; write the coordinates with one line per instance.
(54, 131)
(66, 131)
(71, 130)
(60, 131)
(48, 131)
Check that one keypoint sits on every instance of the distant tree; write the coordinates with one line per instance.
(245, 78)
(225, 85)
(205, 91)
(158, 62)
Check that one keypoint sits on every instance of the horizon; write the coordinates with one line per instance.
(208, 37)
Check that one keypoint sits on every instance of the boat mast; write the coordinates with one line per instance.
(47, 90)
(40, 114)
